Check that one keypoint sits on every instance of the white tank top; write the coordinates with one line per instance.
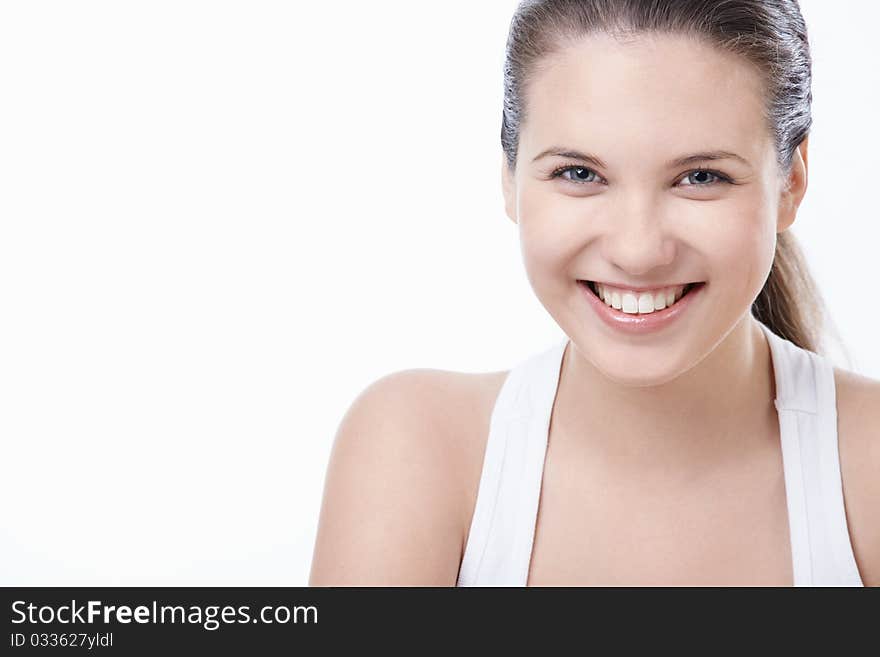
(502, 532)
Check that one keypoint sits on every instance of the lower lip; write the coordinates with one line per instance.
(641, 324)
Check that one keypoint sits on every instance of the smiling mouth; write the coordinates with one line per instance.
(592, 285)
(629, 301)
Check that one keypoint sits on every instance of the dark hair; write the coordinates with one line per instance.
(770, 34)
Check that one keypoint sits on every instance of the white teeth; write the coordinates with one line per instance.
(629, 303)
(639, 302)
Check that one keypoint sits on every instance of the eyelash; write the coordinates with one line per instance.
(721, 178)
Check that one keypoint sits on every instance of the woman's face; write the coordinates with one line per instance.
(635, 218)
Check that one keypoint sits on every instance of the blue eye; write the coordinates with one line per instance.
(558, 173)
(719, 177)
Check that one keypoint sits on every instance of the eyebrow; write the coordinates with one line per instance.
(677, 162)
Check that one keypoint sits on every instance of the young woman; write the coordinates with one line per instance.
(686, 431)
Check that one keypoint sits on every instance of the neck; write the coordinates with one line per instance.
(718, 409)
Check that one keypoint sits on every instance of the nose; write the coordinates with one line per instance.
(637, 240)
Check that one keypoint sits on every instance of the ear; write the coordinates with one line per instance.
(794, 188)
(508, 189)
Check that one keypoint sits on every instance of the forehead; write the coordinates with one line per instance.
(652, 95)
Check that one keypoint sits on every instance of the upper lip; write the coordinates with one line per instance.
(642, 288)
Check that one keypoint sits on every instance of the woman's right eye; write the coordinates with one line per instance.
(583, 174)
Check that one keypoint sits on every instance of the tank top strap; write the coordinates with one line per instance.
(499, 545)
(806, 403)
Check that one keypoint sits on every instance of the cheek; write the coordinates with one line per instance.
(743, 248)
(548, 236)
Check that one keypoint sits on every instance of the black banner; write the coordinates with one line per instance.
(145, 620)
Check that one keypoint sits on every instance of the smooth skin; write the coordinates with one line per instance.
(663, 465)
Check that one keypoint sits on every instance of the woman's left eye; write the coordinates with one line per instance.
(719, 177)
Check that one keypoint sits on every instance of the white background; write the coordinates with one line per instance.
(220, 221)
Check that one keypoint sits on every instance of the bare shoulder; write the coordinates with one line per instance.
(401, 480)
(858, 425)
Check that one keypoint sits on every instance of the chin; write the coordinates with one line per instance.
(626, 369)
